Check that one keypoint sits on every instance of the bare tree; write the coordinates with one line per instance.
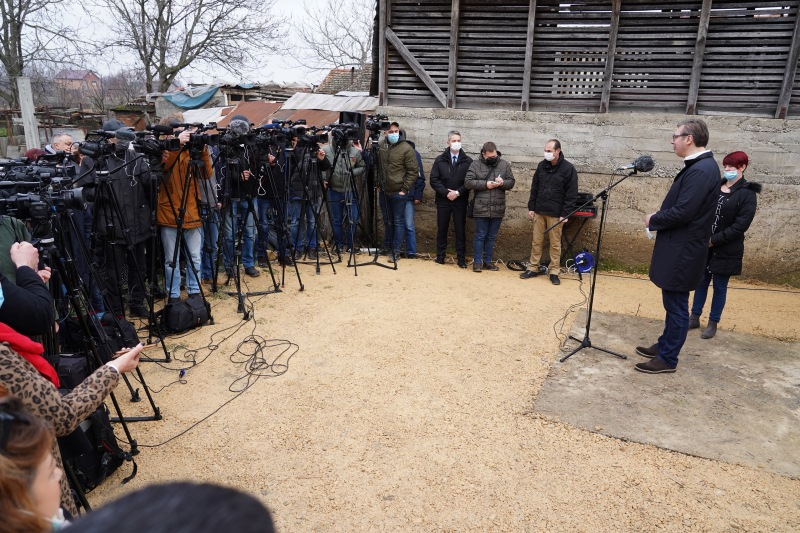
(337, 34)
(168, 36)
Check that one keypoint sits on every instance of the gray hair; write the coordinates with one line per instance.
(58, 137)
(451, 133)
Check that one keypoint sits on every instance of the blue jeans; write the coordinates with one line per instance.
(309, 240)
(210, 238)
(717, 300)
(411, 231)
(233, 215)
(172, 274)
(267, 235)
(676, 326)
(344, 216)
(396, 207)
(485, 234)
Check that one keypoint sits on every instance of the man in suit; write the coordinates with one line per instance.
(684, 227)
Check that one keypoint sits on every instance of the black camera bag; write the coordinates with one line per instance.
(186, 314)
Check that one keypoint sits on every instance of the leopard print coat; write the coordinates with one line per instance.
(64, 413)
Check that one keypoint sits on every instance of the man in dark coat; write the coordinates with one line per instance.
(553, 193)
(684, 227)
(447, 179)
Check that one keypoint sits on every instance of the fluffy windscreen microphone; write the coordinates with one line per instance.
(125, 134)
(239, 127)
(643, 163)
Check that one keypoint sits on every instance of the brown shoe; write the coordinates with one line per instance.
(477, 267)
(491, 266)
(654, 366)
(647, 352)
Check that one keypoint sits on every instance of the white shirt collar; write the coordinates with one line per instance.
(695, 156)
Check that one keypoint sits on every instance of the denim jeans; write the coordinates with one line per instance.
(717, 300)
(344, 216)
(411, 231)
(233, 215)
(676, 326)
(209, 246)
(172, 273)
(301, 240)
(387, 227)
(485, 234)
(267, 234)
(396, 206)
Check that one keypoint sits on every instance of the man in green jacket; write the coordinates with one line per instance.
(398, 172)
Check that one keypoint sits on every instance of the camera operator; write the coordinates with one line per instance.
(340, 191)
(241, 192)
(120, 240)
(272, 214)
(61, 142)
(305, 196)
(26, 306)
(175, 195)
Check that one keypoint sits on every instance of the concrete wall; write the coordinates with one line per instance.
(598, 143)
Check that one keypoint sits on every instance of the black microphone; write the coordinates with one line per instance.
(125, 134)
(162, 129)
(643, 163)
(175, 124)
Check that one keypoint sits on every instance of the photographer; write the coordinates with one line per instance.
(272, 205)
(179, 210)
(119, 187)
(26, 306)
(239, 180)
(342, 178)
(305, 196)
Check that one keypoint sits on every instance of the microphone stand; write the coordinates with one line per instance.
(586, 341)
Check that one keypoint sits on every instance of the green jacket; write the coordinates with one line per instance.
(399, 166)
(11, 230)
(338, 177)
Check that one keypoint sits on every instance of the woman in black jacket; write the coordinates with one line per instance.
(734, 212)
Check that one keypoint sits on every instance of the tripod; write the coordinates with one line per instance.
(586, 341)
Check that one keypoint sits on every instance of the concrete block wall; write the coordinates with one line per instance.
(597, 144)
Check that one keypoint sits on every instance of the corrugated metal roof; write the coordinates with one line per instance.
(313, 117)
(328, 102)
(258, 112)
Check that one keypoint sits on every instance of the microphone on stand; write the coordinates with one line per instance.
(643, 163)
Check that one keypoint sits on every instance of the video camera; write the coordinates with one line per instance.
(97, 144)
(343, 133)
(38, 200)
(376, 124)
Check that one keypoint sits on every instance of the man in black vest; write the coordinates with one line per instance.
(684, 227)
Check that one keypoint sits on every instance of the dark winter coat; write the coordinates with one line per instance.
(732, 216)
(305, 182)
(398, 166)
(445, 176)
(684, 225)
(489, 203)
(554, 188)
(419, 185)
(129, 179)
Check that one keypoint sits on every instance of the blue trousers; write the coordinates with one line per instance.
(301, 240)
(486, 230)
(210, 238)
(396, 215)
(238, 209)
(344, 216)
(717, 300)
(172, 274)
(676, 326)
(410, 230)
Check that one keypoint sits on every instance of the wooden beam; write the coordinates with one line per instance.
(383, 64)
(699, 51)
(791, 68)
(409, 58)
(608, 76)
(452, 69)
(526, 78)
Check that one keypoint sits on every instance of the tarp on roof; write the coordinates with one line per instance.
(206, 115)
(192, 98)
(330, 102)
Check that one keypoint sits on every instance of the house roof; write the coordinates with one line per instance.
(73, 74)
(346, 79)
(329, 102)
(258, 112)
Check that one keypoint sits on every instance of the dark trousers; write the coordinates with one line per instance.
(676, 326)
(717, 301)
(116, 260)
(458, 212)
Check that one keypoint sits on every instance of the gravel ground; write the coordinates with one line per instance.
(408, 407)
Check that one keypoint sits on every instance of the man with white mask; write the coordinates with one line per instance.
(447, 179)
(553, 194)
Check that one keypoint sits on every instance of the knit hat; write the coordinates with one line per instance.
(112, 125)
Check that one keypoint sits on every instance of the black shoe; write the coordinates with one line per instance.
(138, 311)
(477, 267)
(312, 254)
(159, 293)
(491, 266)
(173, 301)
(287, 261)
(462, 264)
(263, 263)
(528, 274)
(440, 260)
(252, 272)
(409, 256)
(647, 352)
(655, 366)
(554, 279)
(194, 296)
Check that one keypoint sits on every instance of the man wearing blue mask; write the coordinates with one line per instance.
(399, 171)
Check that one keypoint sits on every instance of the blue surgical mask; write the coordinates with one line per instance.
(730, 175)
(393, 137)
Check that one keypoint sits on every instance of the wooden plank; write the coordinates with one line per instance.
(608, 75)
(409, 58)
(697, 64)
(452, 70)
(526, 79)
(791, 69)
(383, 63)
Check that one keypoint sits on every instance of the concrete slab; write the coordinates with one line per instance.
(734, 398)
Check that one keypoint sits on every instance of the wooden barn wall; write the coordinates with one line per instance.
(701, 56)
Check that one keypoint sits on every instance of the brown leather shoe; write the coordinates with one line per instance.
(654, 366)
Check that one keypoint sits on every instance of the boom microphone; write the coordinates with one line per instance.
(643, 163)
(239, 127)
(176, 124)
(161, 129)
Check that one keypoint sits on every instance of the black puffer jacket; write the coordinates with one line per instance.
(554, 188)
(444, 176)
(733, 214)
(489, 203)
